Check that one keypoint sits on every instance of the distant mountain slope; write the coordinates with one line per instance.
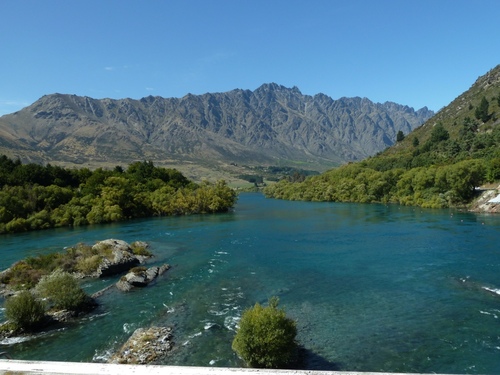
(271, 125)
(453, 115)
(439, 164)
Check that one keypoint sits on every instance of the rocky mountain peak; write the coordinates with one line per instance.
(270, 125)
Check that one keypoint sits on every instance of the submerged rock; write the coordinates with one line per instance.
(145, 346)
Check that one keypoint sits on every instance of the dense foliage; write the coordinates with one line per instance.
(266, 337)
(62, 290)
(24, 311)
(440, 172)
(38, 197)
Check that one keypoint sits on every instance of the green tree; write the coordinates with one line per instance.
(481, 112)
(463, 176)
(141, 171)
(24, 311)
(439, 133)
(493, 171)
(400, 136)
(266, 337)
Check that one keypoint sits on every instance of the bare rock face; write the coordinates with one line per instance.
(488, 201)
(145, 346)
(263, 126)
(121, 259)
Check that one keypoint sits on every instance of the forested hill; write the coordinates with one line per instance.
(272, 125)
(36, 197)
(436, 165)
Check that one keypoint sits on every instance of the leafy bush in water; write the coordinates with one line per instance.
(266, 337)
(24, 311)
(62, 290)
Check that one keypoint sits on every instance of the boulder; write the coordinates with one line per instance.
(140, 277)
(145, 346)
(121, 259)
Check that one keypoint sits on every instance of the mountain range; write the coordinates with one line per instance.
(272, 125)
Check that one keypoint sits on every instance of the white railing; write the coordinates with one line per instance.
(11, 367)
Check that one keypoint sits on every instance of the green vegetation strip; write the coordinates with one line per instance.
(36, 197)
(438, 173)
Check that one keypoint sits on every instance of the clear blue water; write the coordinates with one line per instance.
(372, 287)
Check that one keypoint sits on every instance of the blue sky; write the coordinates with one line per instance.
(413, 52)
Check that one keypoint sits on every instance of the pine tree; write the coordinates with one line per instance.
(481, 112)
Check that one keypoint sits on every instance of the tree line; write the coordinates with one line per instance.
(34, 196)
(441, 172)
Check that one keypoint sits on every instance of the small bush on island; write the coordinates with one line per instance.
(88, 265)
(21, 276)
(140, 248)
(138, 270)
(63, 291)
(266, 337)
(24, 311)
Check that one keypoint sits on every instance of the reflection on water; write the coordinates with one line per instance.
(372, 287)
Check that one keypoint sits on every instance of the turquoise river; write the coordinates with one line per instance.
(372, 287)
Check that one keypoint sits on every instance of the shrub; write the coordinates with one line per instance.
(266, 337)
(24, 311)
(62, 290)
(103, 249)
(138, 270)
(140, 248)
(46, 262)
(81, 250)
(22, 276)
(26, 273)
(89, 265)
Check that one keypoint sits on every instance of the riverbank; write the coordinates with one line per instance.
(488, 200)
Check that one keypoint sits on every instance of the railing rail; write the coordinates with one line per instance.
(17, 367)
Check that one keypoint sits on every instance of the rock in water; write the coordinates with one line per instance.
(140, 277)
(145, 346)
(122, 257)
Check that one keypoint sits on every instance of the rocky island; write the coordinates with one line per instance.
(43, 291)
(145, 346)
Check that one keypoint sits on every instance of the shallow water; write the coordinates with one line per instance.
(372, 287)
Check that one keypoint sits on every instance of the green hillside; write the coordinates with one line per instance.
(437, 165)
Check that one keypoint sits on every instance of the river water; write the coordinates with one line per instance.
(372, 287)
